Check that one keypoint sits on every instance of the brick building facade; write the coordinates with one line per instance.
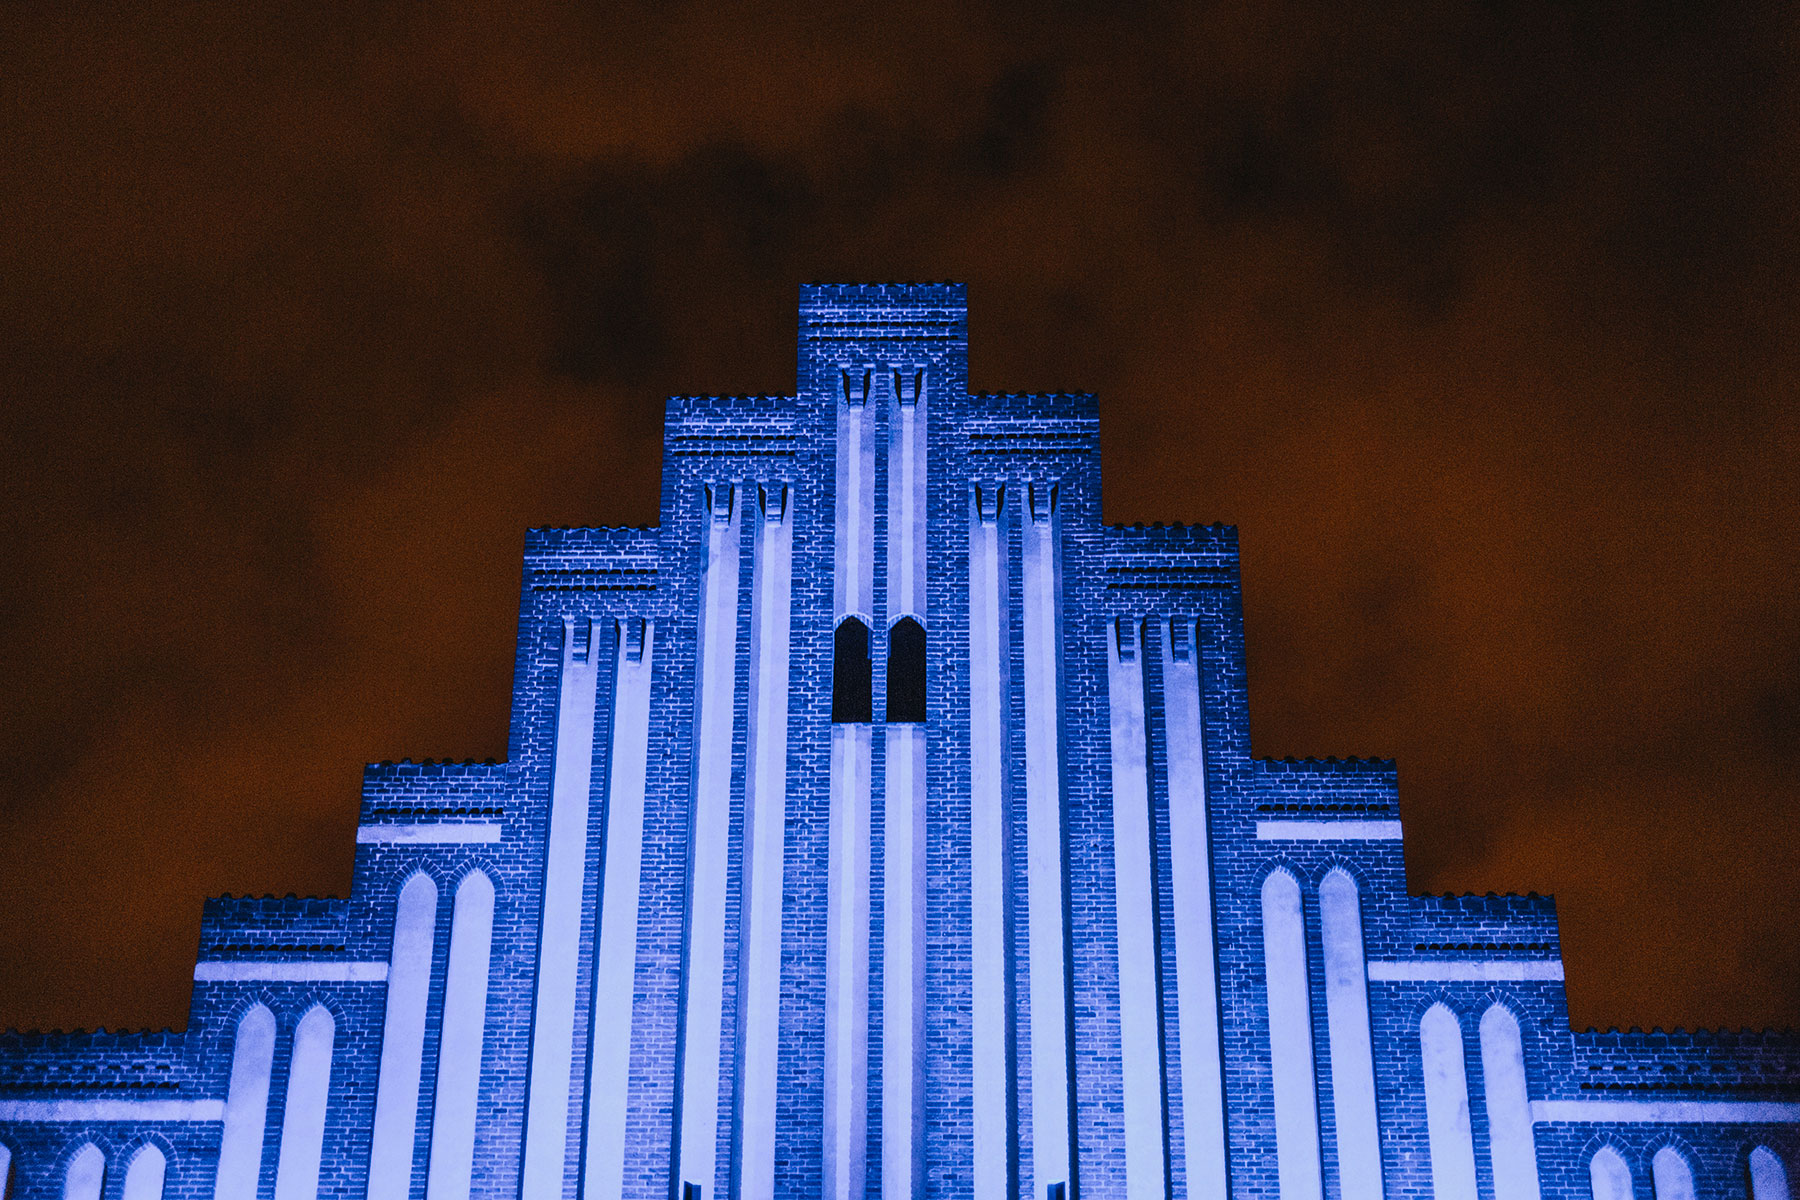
(884, 824)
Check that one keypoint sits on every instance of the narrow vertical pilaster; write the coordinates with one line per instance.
(765, 821)
(845, 1127)
(1196, 955)
(450, 1171)
(1352, 1049)
(1294, 1092)
(615, 954)
(847, 966)
(1134, 891)
(1052, 1096)
(990, 866)
(395, 1134)
(559, 938)
(903, 865)
(697, 1122)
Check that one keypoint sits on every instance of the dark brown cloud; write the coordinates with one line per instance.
(1478, 319)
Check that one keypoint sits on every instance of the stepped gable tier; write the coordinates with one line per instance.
(882, 823)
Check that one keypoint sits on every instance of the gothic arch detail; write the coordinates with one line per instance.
(1609, 1176)
(1447, 1105)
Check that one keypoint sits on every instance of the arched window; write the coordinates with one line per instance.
(852, 680)
(906, 671)
(246, 1106)
(1347, 1023)
(1609, 1176)
(303, 1119)
(459, 1055)
(1672, 1176)
(1768, 1178)
(86, 1174)
(1510, 1144)
(403, 1038)
(1447, 1105)
(1290, 1038)
(144, 1177)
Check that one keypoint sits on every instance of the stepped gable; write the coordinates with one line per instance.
(881, 823)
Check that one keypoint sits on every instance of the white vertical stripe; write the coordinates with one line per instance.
(903, 964)
(1134, 883)
(1196, 956)
(143, 1179)
(1051, 1094)
(403, 1041)
(1347, 1022)
(1290, 1039)
(765, 821)
(246, 1106)
(709, 846)
(86, 1174)
(847, 966)
(559, 941)
(615, 956)
(991, 1019)
(903, 868)
(451, 1167)
(303, 1114)
(845, 1128)
(1511, 1148)
(1447, 1105)
(5, 1171)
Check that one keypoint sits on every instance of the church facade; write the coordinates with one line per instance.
(883, 824)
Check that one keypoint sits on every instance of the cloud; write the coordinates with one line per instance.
(1475, 319)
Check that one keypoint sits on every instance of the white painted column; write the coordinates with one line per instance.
(559, 939)
(1052, 1095)
(1347, 1025)
(847, 966)
(1191, 902)
(709, 847)
(246, 1106)
(1290, 1039)
(1511, 1147)
(990, 924)
(847, 907)
(86, 1174)
(1447, 1105)
(615, 955)
(903, 866)
(303, 1114)
(1134, 898)
(403, 1041)
(144, 1177)
(450, 1169)
(903, 965)
(765, 826)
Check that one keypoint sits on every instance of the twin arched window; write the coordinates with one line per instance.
(853, 675)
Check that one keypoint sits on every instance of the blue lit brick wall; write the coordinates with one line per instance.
(61, 1091)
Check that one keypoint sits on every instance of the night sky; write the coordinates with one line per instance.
(1478, 319)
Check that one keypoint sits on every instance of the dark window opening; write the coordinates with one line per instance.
(906, 671)
(852, 679)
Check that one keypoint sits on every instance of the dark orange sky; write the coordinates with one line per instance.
(1479, 320)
